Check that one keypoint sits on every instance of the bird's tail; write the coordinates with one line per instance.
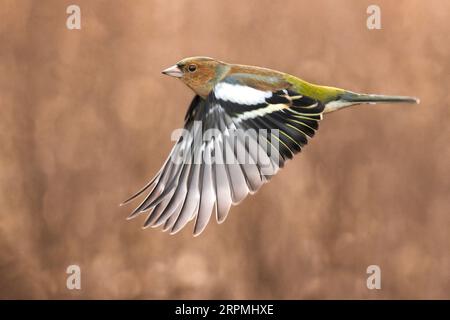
(349, 98)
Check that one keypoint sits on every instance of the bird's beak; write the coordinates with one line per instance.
(173, 71)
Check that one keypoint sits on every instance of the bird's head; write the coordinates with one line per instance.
(198, 73)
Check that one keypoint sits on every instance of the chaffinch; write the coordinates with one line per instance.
(259, 118)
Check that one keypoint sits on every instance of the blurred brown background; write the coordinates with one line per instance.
(86, 119)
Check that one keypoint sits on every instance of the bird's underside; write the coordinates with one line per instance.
(235, 139)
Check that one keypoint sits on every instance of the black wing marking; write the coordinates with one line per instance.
(295, 116)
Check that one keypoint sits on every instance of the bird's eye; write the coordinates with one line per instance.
(192, 68)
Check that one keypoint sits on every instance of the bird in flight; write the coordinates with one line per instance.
(242, 125)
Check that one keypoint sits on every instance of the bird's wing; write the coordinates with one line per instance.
(234, 141)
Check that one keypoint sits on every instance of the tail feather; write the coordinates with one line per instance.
(351, 98)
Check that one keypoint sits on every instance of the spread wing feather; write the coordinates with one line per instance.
(232, 147)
